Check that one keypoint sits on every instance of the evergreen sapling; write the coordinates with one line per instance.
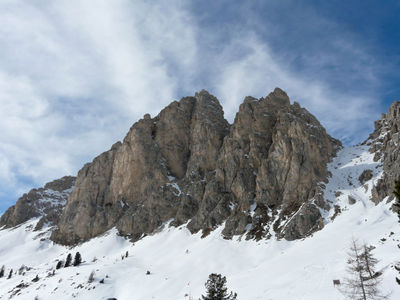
(216, 288)
(362, 282)
(59, 264)
(68, 260)
(77, 259)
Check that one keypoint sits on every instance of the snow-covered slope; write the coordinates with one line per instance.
(179, 263)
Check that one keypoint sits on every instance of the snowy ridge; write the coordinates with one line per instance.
(180, 262)
(46, 202)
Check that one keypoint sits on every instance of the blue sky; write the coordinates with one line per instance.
(75, 75)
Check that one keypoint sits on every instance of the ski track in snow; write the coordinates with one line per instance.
(180, 262)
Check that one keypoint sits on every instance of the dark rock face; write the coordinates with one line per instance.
(188, 165)
(306, 221)
(351, 200)
(384, 142)
(365, 176)
(46, 202)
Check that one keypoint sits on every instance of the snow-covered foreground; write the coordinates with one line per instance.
(180, 262)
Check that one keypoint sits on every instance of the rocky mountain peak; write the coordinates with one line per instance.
(394, 112)
(188, 165)
(61, 185)
(384, 143)
(204, 95)
(278, 97)
(46, 202)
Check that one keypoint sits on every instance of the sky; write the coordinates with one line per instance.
(75, 75)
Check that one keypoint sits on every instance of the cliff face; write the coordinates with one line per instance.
(46, 202)
(384, 142)
(188, 165)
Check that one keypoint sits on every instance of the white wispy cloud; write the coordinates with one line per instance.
(74, 75)
(347, 114)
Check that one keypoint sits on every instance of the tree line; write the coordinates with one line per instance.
(68, 261)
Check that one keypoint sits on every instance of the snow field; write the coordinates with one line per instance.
(180, 262)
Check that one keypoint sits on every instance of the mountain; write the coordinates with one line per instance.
(384, 143)
(270, 201)
(190, 166)
(46, 203)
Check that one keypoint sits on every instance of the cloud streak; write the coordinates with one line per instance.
(347, 115)
(74, 78)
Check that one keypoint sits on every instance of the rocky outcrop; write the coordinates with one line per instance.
(304, 222)
(365, 176)
(136, 186)
(189, 166)
(384, 142)
(46, 202)
(272, 161)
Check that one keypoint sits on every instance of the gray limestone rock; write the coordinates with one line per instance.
(46, 202)
(306, 221)
(365, 176)
(384, 143)
(188, 165)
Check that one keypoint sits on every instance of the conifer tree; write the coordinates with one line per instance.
(77, 259)
(216, 288)
(2, 271)
(10, 274)
(59, 264)
(91, 277)
(369, 260)
(21, 270)
(363, 281)
(68, 260)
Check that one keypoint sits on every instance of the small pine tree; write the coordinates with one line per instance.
(362, 282)
(59, 264)
(396, 192)
(21, 270)
(10, 274)
(68, 260)
(2, 271)
(216, 288)
(369, 261)
(77, 259)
